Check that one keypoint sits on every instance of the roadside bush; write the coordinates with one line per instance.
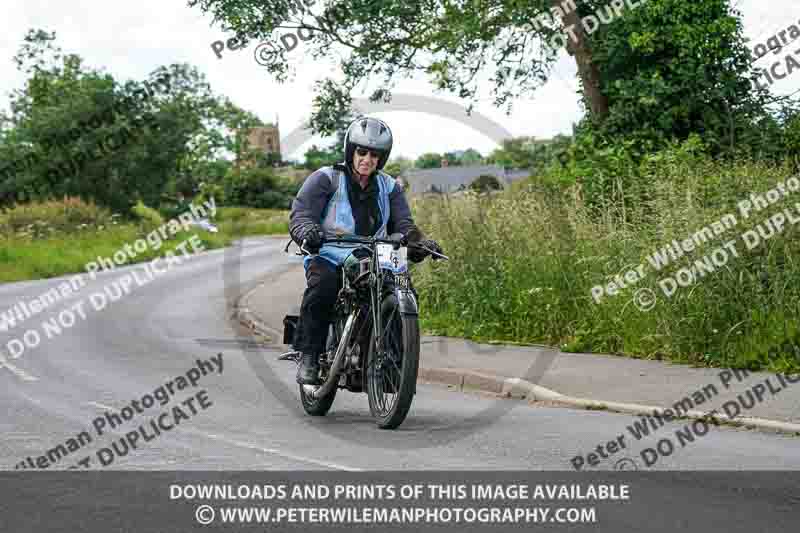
(617, 173)
(149, 216)
(485, 183)
(258, 187)
(208, 191)
(38, 219)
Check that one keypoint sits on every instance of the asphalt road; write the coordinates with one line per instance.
(146, 338)
(251, 418)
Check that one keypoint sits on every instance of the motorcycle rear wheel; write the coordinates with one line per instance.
(392, 379)
(320, 406)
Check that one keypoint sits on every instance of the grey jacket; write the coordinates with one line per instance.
(317, 191)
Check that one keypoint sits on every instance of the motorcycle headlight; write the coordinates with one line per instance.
(356, 264)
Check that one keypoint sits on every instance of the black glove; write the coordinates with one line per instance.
(312, 234)
(430, 244)
(417, 254)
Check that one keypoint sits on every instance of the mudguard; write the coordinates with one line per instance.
(407, 301)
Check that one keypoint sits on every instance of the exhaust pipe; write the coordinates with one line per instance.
(333, 375)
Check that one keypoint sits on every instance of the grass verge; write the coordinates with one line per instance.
(524, 264)
(38, 242)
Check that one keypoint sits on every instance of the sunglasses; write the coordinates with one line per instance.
(362, 152)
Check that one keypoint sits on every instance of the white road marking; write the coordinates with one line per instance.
(21, 374)
(254, 446)
(278, 452)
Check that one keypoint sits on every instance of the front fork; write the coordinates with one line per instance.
(407, 305)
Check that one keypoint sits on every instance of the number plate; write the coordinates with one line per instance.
(391, 259)
(402, 282)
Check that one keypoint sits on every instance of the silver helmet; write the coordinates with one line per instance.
(369, 133)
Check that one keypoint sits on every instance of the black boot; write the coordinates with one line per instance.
(308, 369)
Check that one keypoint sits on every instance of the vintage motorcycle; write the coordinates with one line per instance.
(373, 342)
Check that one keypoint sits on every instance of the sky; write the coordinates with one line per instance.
(131, 39)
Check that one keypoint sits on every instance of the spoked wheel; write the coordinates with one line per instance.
(392, 375)
(320, 406)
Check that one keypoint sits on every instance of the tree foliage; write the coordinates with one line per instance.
(316, 157)
(471, 157)
(452, 159)
(485, 183)
(73, 130)
(529, 153)
(398, 165)
(429, 160)
(257, 187)
(458, 39)
(671, 68)
(665, 68)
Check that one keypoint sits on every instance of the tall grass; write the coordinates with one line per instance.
(524, 264)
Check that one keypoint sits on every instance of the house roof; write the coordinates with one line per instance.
(451, 178)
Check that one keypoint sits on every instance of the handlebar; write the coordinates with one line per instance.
(370, 241)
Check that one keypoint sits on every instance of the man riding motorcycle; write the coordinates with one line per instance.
(350, 198)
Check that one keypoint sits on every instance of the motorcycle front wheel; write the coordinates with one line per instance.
(391, 377)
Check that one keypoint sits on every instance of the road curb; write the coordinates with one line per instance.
(521, 389)
(249, 320)
(465, 380)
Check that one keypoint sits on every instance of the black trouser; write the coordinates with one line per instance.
(323, 282)
(316, 311)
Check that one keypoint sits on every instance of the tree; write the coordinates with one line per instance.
(429, 160)
(578, 46)
(529, 153)
(450, 41)
(398, 165)
(471, 157)
(514, 153)
(653, 66)
(258, 187)
(671, 68)
(452, 159)
(76, 131)
(316, 157)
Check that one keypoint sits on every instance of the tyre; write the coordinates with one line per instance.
(321, 406)
(391, 379)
